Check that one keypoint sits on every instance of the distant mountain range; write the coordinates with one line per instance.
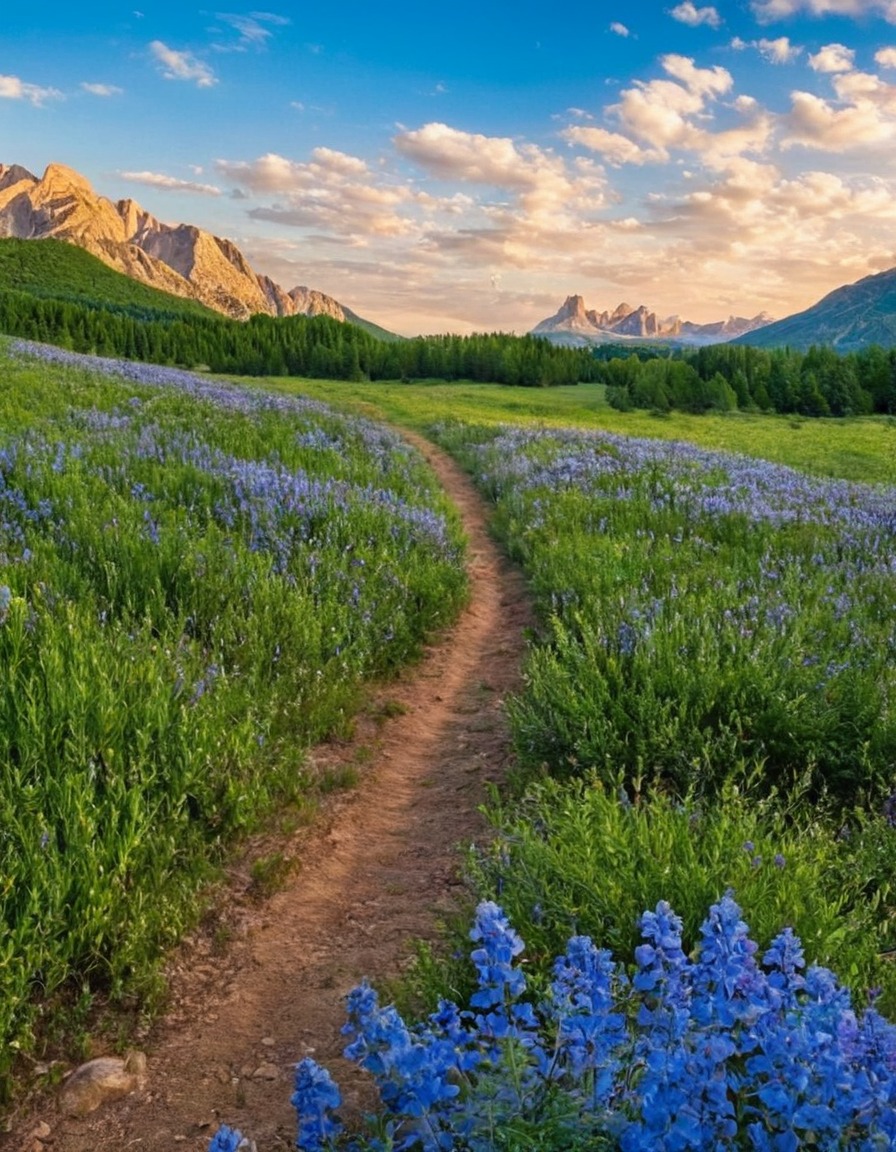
(848, 319)
(577, 325)
(186, 261)
(180, 259)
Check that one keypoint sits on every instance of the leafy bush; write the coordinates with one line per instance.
(680, 1053)
(574, 857)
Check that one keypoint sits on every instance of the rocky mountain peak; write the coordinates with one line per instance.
(573, 307)
(59, 176)
(14, 174)
(180, 258)
(575, 324)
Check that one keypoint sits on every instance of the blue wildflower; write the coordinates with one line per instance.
(225, 1140)
(315, 1099)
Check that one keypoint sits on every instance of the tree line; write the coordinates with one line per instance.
(316, 346)
(723, 377)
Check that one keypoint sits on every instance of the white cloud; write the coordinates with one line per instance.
(250, 29)
(540, 178)
(661, 114)
(102, 89)
(767, 11)
(13, 88)
(688, 13)
(182, 65)
(664, 116)
(170, 183)
(615, 148)
(703, 82)
(508, 203)
(619, 29)
(334, 193)
(886, 57)
(779, 51)
(862, 117)
(833, 58)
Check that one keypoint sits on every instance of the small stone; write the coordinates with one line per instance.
(268, 1041)
(42, 1132)
(101, 1080)
(266, 1072)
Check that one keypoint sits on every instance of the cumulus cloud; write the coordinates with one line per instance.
(102, 89)
(833, 58)
(863, 116)
(689, 13)
(619, 29)
(13, 88)
(615, 148)
(176, 65)
(170, 183)
(333, 192)
(778, 51)
(767, 11)
(886, 57)
(659, 115)
(541, 180)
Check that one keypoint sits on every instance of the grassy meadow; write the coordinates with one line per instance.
(709, 711)
(711, 699)
(194, 582)
(196, 577)
(855, 448)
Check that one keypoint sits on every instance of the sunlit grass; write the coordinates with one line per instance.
(860, 448)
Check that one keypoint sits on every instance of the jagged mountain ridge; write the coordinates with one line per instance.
(850, 318)
(181, 259)
(573, 323)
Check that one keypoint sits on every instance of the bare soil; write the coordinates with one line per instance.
(379, 869)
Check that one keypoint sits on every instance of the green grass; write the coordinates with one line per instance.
(716, 647)
(194, 584)
(860, 448)
(573, 859)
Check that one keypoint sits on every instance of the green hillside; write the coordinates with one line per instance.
(369, 327)
(849, 319)
(55, 270)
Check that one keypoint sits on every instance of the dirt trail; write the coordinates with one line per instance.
(377, 872)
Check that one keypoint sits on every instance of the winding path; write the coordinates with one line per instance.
(377, 871)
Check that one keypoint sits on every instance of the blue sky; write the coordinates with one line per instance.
(468, 166)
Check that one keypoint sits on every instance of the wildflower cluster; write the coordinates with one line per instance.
(715, 1050)
(701, 610)
(194, 581)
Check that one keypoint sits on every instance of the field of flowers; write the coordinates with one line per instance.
(712, 698)
(194, 581)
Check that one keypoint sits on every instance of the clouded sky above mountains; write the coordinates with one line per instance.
(468, 166)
